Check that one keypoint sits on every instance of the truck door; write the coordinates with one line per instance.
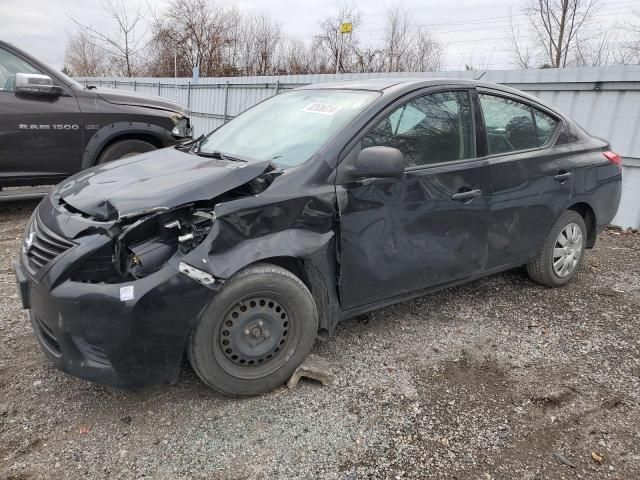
(40, 135)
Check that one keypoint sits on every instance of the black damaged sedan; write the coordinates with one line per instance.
(242, 248)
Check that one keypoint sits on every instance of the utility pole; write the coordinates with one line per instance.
(345, 28)
(175, 73)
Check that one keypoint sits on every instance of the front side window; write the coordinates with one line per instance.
(288, 128)
(512, 126)
(431, 129)
(9, 66)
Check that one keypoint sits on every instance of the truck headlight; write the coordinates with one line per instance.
(29, 233)
(182, 128)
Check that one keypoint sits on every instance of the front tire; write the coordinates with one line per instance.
(255, 333)
(563, 252)
(123, 149)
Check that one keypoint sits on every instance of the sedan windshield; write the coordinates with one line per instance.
(288, 128)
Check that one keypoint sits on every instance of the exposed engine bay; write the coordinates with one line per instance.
(142, 244)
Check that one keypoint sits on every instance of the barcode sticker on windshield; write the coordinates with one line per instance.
(322, 108)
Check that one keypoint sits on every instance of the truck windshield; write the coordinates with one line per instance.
(288, 128)
(70, 81)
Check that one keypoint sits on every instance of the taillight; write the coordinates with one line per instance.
(613, 157)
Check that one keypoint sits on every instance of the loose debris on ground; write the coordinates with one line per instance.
(313, 367)
(497, 379)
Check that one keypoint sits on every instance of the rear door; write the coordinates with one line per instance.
(531, 179)
(427, 228)
(39, 135)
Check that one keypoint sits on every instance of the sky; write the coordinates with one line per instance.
(472, 31)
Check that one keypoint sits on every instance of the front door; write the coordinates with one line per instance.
(40, 135)
(427, 228)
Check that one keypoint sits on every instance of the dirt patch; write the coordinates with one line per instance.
(496, 379)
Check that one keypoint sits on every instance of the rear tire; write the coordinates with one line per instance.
(557, 264)
(254, 334)
(123, 149)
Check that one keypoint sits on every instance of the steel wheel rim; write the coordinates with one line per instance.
(567, 250)
(256, 336)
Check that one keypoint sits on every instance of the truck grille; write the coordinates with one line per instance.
(45, 247)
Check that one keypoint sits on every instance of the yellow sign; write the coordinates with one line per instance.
(346, 27)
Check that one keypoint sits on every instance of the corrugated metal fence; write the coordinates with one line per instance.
(604, 100)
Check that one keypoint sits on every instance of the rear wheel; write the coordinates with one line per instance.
(255, 333)
(562, 253)
(123, 149)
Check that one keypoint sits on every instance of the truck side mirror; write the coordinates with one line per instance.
(36, 84)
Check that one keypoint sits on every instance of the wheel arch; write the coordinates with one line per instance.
(109, 134)
(309, 273)
(588, 215)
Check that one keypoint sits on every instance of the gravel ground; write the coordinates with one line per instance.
(484, 381)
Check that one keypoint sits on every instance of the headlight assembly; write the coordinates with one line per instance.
(148, 244)
(182, 128)
(145, 246)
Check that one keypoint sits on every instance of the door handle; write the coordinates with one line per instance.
(562, 177)
(466, 196)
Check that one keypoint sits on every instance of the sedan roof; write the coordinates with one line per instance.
(379, 84)
(401, 85)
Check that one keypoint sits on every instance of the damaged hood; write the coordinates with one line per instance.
(154, 181)
(125, 97)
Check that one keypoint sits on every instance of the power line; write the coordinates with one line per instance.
(497, 24)
(507, 17)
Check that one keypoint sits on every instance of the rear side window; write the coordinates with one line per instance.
(9, 66)
(546, 126)
(430, 129)
(513, 126)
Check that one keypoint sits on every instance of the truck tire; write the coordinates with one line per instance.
(254, 334)
(122, 149)
(562, 253)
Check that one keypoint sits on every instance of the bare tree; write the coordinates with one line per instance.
(406, 47)
(297, 58)
(554, 27)
(125, 45)
(369, 59)
(426, 53)
(233, 64)
(521, 51)
(629, 52)
(268, 37)
(221, 41)
(84, 57)
(259, 43)
(397, 33)
(331, 44)
(596, 49)
(197, 33)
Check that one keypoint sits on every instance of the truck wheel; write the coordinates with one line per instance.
(562, 253)
(122, 149)
(254, 334)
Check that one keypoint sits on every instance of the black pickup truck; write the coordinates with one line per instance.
(52, 126)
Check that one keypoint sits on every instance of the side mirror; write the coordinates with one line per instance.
(36, 84)
(379, 162)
